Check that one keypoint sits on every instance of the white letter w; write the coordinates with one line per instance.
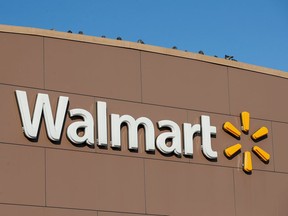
(31, 127)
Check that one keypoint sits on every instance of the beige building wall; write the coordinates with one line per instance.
(44, 178)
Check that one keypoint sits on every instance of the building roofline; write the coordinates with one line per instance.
(140, 47)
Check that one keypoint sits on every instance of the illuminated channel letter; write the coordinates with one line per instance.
(42, 105)
(132, 124)
(87, 125)
(175, 135)
(102, 124)
(207, 130)
(189, 131)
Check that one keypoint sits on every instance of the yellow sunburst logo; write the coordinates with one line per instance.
(233, 150)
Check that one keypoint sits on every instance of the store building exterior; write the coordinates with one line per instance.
(93, 126)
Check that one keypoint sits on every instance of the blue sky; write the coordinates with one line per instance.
(253, 31)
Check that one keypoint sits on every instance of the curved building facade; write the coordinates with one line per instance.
(99, 127)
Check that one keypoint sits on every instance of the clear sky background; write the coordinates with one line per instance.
(253, 31)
